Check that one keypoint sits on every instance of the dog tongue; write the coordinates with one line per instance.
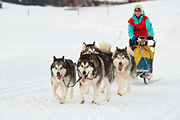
(83, 79)
(120, 67)
(59, 77)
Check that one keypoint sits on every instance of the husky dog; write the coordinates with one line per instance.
(92, 48)
(63, 74)
(125, 69)
(104, 50)
(92, 69)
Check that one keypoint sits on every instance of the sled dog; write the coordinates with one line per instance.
(92, 48)
(63, 75)
(105, 49)
(125, 69)
(93, 69)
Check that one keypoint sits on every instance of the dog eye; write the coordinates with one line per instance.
(91, 64)
(123, 57)
(56, 68)
(60, 68)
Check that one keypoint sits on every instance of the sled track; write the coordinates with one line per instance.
(24, 88)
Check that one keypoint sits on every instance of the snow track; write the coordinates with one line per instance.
(28, 45)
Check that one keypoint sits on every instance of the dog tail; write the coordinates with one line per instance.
(71, 93)
(105, 47)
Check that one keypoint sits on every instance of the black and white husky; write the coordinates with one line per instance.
(93, 68)
(105, 50)
(63, 75)
(92, 48)
(125, 69)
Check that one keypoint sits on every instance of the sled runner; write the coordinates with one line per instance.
(144, 54)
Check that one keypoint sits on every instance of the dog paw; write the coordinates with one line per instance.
(120, 94)
(82, 102)
(128, 90)
(102, 91)
(107, 100)
(61, 102)
(94, 102)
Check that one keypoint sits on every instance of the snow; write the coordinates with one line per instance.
(28, 44)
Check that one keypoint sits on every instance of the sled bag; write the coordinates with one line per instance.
(143, 58)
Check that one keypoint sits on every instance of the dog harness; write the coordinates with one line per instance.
(71, 85)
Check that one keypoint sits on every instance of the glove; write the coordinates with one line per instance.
(133, 40)
(150, 38)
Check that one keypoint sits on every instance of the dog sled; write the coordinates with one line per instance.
(144, 52)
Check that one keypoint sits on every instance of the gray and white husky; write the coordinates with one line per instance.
(92, 48)
(63, 75)
(94, 68)
(105, 49)
(125, 69)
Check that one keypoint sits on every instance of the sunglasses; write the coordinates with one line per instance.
(139, 10)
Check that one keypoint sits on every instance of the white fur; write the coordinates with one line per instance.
(105, 47)
(84, 87)
(123, 78)
(94, 83)
(56, 83)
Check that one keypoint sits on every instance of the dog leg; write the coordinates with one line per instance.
(122, 85)
(96, 93)
(131, 78)
(64, 94)
(87, 90)
(103, 88)
(54, 88)
(129, 86)
(106, 82)
(82, 89)
(71, 93)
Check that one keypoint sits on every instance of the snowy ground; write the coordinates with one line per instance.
(28, 44)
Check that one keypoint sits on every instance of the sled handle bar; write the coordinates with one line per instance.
(147, 39)
(154, 44)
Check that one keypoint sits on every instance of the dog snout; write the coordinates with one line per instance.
(120, 63)
(58, 73)
(84, 72)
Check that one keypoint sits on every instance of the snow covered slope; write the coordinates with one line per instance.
(28, 44)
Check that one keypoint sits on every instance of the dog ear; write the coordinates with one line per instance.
(54, 58)
(125, 48)
(117, 48)
(84, 46)
(94, 44)
(63, 59)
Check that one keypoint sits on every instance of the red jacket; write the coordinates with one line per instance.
(140, 28)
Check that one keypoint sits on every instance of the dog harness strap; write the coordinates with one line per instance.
(71, 85)
(66, 85)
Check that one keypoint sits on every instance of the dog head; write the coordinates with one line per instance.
(89, 48)
(58, 68)
(121, 59)
(85, 66)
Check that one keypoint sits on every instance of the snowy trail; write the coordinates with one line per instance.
(28, 45)
(29, 86)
